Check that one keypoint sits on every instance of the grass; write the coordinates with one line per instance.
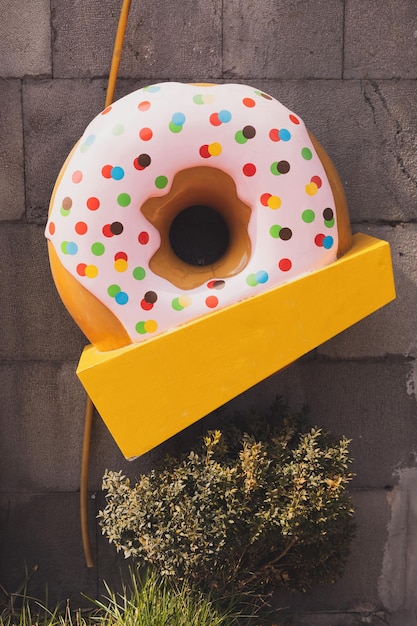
(147, 601)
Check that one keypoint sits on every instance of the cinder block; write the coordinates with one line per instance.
(25, 39)
(55, 115)
(369, 130)
(366, 401)
(83, 37)
(397, 582)
(43, 531)
(34, 323)
(392, 329)
(12, 189)
(283, 39)
(42, 427)
(164, 40)
(380, 39)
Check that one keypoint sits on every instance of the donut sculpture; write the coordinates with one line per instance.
(170, 148)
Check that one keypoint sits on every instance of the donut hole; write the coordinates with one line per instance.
(203, 226)
(199, 236)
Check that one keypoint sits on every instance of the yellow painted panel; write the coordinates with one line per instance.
(150, 391)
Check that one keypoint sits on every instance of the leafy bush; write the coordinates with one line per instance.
(261, 504)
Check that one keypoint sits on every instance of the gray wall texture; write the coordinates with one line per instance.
(349, 68)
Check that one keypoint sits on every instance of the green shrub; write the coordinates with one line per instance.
(260, 505)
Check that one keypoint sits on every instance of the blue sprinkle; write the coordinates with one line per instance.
(121, 297)
(225, 116)
(178, 119)
(72, 248)
(284, 134)
(261, 277)
(117, 173)
(328, 242)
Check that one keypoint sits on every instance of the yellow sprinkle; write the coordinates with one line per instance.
(312, 189)
(184, 301)
(274, 202)
(215, 149)
(120, 265)
(150, 326)
(91, 271)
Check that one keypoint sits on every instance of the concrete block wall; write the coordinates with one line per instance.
(349, 68)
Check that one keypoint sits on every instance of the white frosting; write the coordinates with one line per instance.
(105, 242)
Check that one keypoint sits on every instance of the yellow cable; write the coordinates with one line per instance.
(117, 51)
(89, 409)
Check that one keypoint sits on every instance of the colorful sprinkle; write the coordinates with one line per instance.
(285, 234)
(306, 154)
(249, 169)
(317, 181)
(87, 143)
(222, 117)
(91, 271)
(285, 265)
(249, 132)
(214, 149)
(212, 302)
(142, 161)
(71, 248)
(106, 171)
(308, 216)
(123, 199)
(151, 326)
(98, 248)
(261, 277)
(274, 134)
(113, 290)
(216, 284)
(93, 203)
(311, 189)
(249, 102)
(118, 129)
(161, 182)
(121, 298)
(81, 228)
(143, 238)
(116, 228)
(178, 119)
(204, 151)
(284, 134)
(144, 106)
(117, 173)
(145, 134)
(206, 98)
(120, 265)
(77, 177)
(139, 273)
(328, 242)
(240, 137)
